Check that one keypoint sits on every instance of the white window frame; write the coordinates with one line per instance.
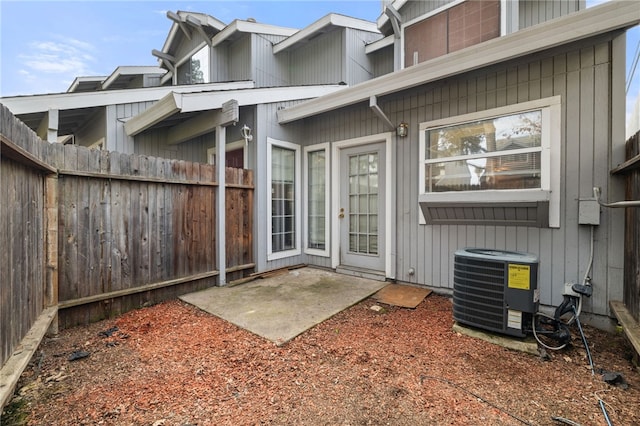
(327, 197)
(188, 57)
(550, 160)
(297, 208)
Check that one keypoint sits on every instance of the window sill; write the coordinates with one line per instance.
(490, 207)
(283, 254)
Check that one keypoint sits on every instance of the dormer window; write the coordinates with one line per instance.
(195, 69)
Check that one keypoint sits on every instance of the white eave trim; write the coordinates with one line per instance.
(596, 20)
(239, 26)
(131, 70)
(332, 19)
(379, 44)
(79, 80)
(204, 101)
(63, 101)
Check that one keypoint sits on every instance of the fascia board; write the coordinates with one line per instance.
(192, 102)
(354, 23)
(130, 70)
(331, 19)
(172, 34)
(239, 26)
(79, 80)
(596, 20)
(165, 107)
(63, 101)
(204, 19)
(379, 44)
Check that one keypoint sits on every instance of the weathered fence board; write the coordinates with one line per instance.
(128, 230)
(143, 231)
(632, 231)
(22, 231)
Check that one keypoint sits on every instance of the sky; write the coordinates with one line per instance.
(44, 45)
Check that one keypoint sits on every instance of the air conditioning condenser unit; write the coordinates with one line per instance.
(495, 290)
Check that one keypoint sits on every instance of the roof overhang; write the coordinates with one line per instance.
(379, 44)
(76, 109)
(122, 75)
(84, 84)
(322, 25)
(610, 16)
(238, 26)
(67, 101)
(184, 103)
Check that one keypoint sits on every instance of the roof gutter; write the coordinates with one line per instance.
(597, 20)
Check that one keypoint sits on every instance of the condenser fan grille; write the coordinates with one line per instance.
(478, 293)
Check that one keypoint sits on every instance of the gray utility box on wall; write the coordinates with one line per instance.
(495, 290)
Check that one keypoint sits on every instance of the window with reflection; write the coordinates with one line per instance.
(494, 153)
(196, 69)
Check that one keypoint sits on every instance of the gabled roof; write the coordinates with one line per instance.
(328, 23)
(85, 84)
(607, 17)
(212, 24)
(122, 76)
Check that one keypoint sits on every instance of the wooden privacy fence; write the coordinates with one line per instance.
(130, 224)
(91, 234)
(632, 228)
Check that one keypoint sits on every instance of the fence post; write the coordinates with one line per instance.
(51, 255)
(221, 208)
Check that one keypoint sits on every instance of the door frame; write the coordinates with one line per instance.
(390, 211)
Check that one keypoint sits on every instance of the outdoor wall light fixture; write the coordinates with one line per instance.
(245, 131)
(402, 130)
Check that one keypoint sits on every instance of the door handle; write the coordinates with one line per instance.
(341, 214)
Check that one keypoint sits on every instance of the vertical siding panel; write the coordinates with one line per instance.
(572, 163)
(436, 252)
(320, 61)
(603, 257)
(523, 83)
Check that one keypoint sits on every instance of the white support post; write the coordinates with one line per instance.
(221, 205)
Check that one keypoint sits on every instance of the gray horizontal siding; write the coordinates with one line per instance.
(581, 76)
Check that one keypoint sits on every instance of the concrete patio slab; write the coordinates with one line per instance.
(283, 306)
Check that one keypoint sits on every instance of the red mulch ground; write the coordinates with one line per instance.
(172, 364)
